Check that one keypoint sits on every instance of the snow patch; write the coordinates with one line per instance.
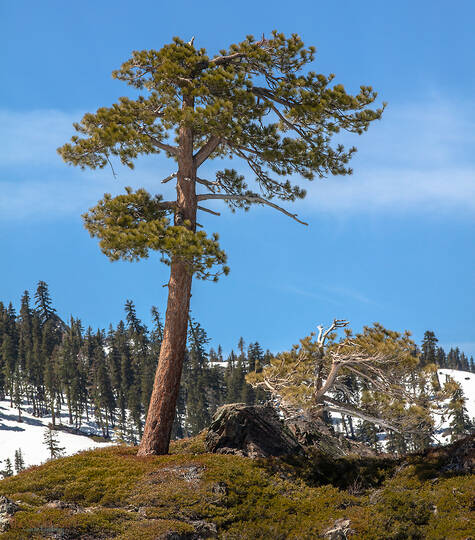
(28, 436)
(466, 381)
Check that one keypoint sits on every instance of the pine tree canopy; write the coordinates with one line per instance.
(256, 101)
(43, 302)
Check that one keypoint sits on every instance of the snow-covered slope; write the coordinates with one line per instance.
(466, 381)
(28, 435)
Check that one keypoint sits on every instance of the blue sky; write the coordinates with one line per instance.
(393, 243)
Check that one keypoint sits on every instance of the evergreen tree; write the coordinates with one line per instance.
(441, 358)
(8, 471)
(157, 333)
(396, 443)
(71, 371)
(51, 441)
(18, 391)
(50, 365)
(25, 330)
(256, 362)
(135, 408)
(121, 368)
(198, 415)
(453, 359)
(131, 431)
(44, 304)
(216, 388)
(33, 364)
(311, 376)
(464, 363)
(235, 379)
(25, 346)
(429, 349)
(19, 461)
(9, 350)
(460, 424)
(101, 390)
(2, 364)
(52, 382)
(143, 365)
(257, 102)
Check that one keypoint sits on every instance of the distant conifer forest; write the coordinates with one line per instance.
(51, 365)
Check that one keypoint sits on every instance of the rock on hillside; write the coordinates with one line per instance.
(251, 431)
(257, 431)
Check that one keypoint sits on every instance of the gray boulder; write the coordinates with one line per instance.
(252, 431)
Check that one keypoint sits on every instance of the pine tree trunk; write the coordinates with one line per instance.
(161, 411)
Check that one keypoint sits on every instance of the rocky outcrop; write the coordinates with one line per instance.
(339, 531)
(7, 509)
(257, 431)
(252, 431)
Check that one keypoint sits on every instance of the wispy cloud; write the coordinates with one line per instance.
(311, 294)
(36, 184)
(31, 138)
(344, 293)
(334, 295)
(67, 194)
(419, 158)
(396, 191)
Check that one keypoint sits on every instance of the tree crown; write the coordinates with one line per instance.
(255, 101)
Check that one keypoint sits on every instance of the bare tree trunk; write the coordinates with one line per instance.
(161, 411)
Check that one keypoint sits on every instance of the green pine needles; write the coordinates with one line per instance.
(256, 101)
(131, 225)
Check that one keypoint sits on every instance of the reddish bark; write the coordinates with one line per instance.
(161, 411)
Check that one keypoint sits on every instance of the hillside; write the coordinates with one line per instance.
(110, 493)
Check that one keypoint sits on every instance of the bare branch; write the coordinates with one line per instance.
(167, 205)
(266, 93)
(206, 150)
(159, 144)
(207, 183)
(220, 60)
(319, 394)
(166, 147)
(320, 333)
(249, 198)
(337, 323)
(344, 408)
(168, 178)
(289, 124)
(112, 168)
(208, 210)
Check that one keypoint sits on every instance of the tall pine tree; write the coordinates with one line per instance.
(257, 102)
